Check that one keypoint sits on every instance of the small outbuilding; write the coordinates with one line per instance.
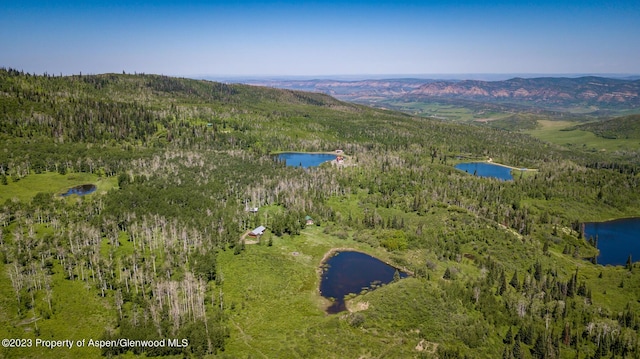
(308, 220)
(257, 232)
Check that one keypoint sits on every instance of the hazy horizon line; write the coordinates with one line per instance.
(483, 76)
(424, 76)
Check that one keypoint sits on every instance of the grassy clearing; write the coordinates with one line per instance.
(580, 210)
(556, 132)
(274, 306)
(276, 311)
(52, 182)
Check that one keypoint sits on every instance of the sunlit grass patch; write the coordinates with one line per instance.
(560, 133)
(52, 182)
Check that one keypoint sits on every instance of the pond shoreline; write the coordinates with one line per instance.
(490, 160)
(80, 190)
(616, 240)
(611, 219)
(307, 160)
(335, 250)
(327, 302)
(310, 153)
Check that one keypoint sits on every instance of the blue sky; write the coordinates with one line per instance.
(322, 38)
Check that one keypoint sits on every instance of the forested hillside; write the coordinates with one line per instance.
(627, 127)
(500, 268)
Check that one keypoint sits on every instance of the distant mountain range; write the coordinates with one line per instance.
(552, 93)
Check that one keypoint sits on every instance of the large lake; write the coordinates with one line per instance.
(484, 169)
(305, 160)
(353, 272)
(616, 240)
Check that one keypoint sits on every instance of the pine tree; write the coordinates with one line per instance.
(447, 274)
(508, 338)
(503, 286)
(514, 281)
(517, 350)
(538, 350)
(598, 353)
(537, 273)
(525, 334)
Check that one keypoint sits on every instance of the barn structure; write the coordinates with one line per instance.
(257, 232)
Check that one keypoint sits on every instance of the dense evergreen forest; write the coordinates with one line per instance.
(500, 268)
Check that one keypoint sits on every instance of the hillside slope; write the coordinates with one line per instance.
(627, 127)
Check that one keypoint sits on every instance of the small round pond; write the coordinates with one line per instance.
(616, 240)
(352, 272)
(305, 160)
(483, 169)
(80, 190)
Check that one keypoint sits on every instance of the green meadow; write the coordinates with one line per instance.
(52, 182)
(562, 133)
(275, 309)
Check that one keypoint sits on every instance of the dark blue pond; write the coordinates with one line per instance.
(483, 169)
(352, 272)
(305, 160)
(617, 240)
(80, 190)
